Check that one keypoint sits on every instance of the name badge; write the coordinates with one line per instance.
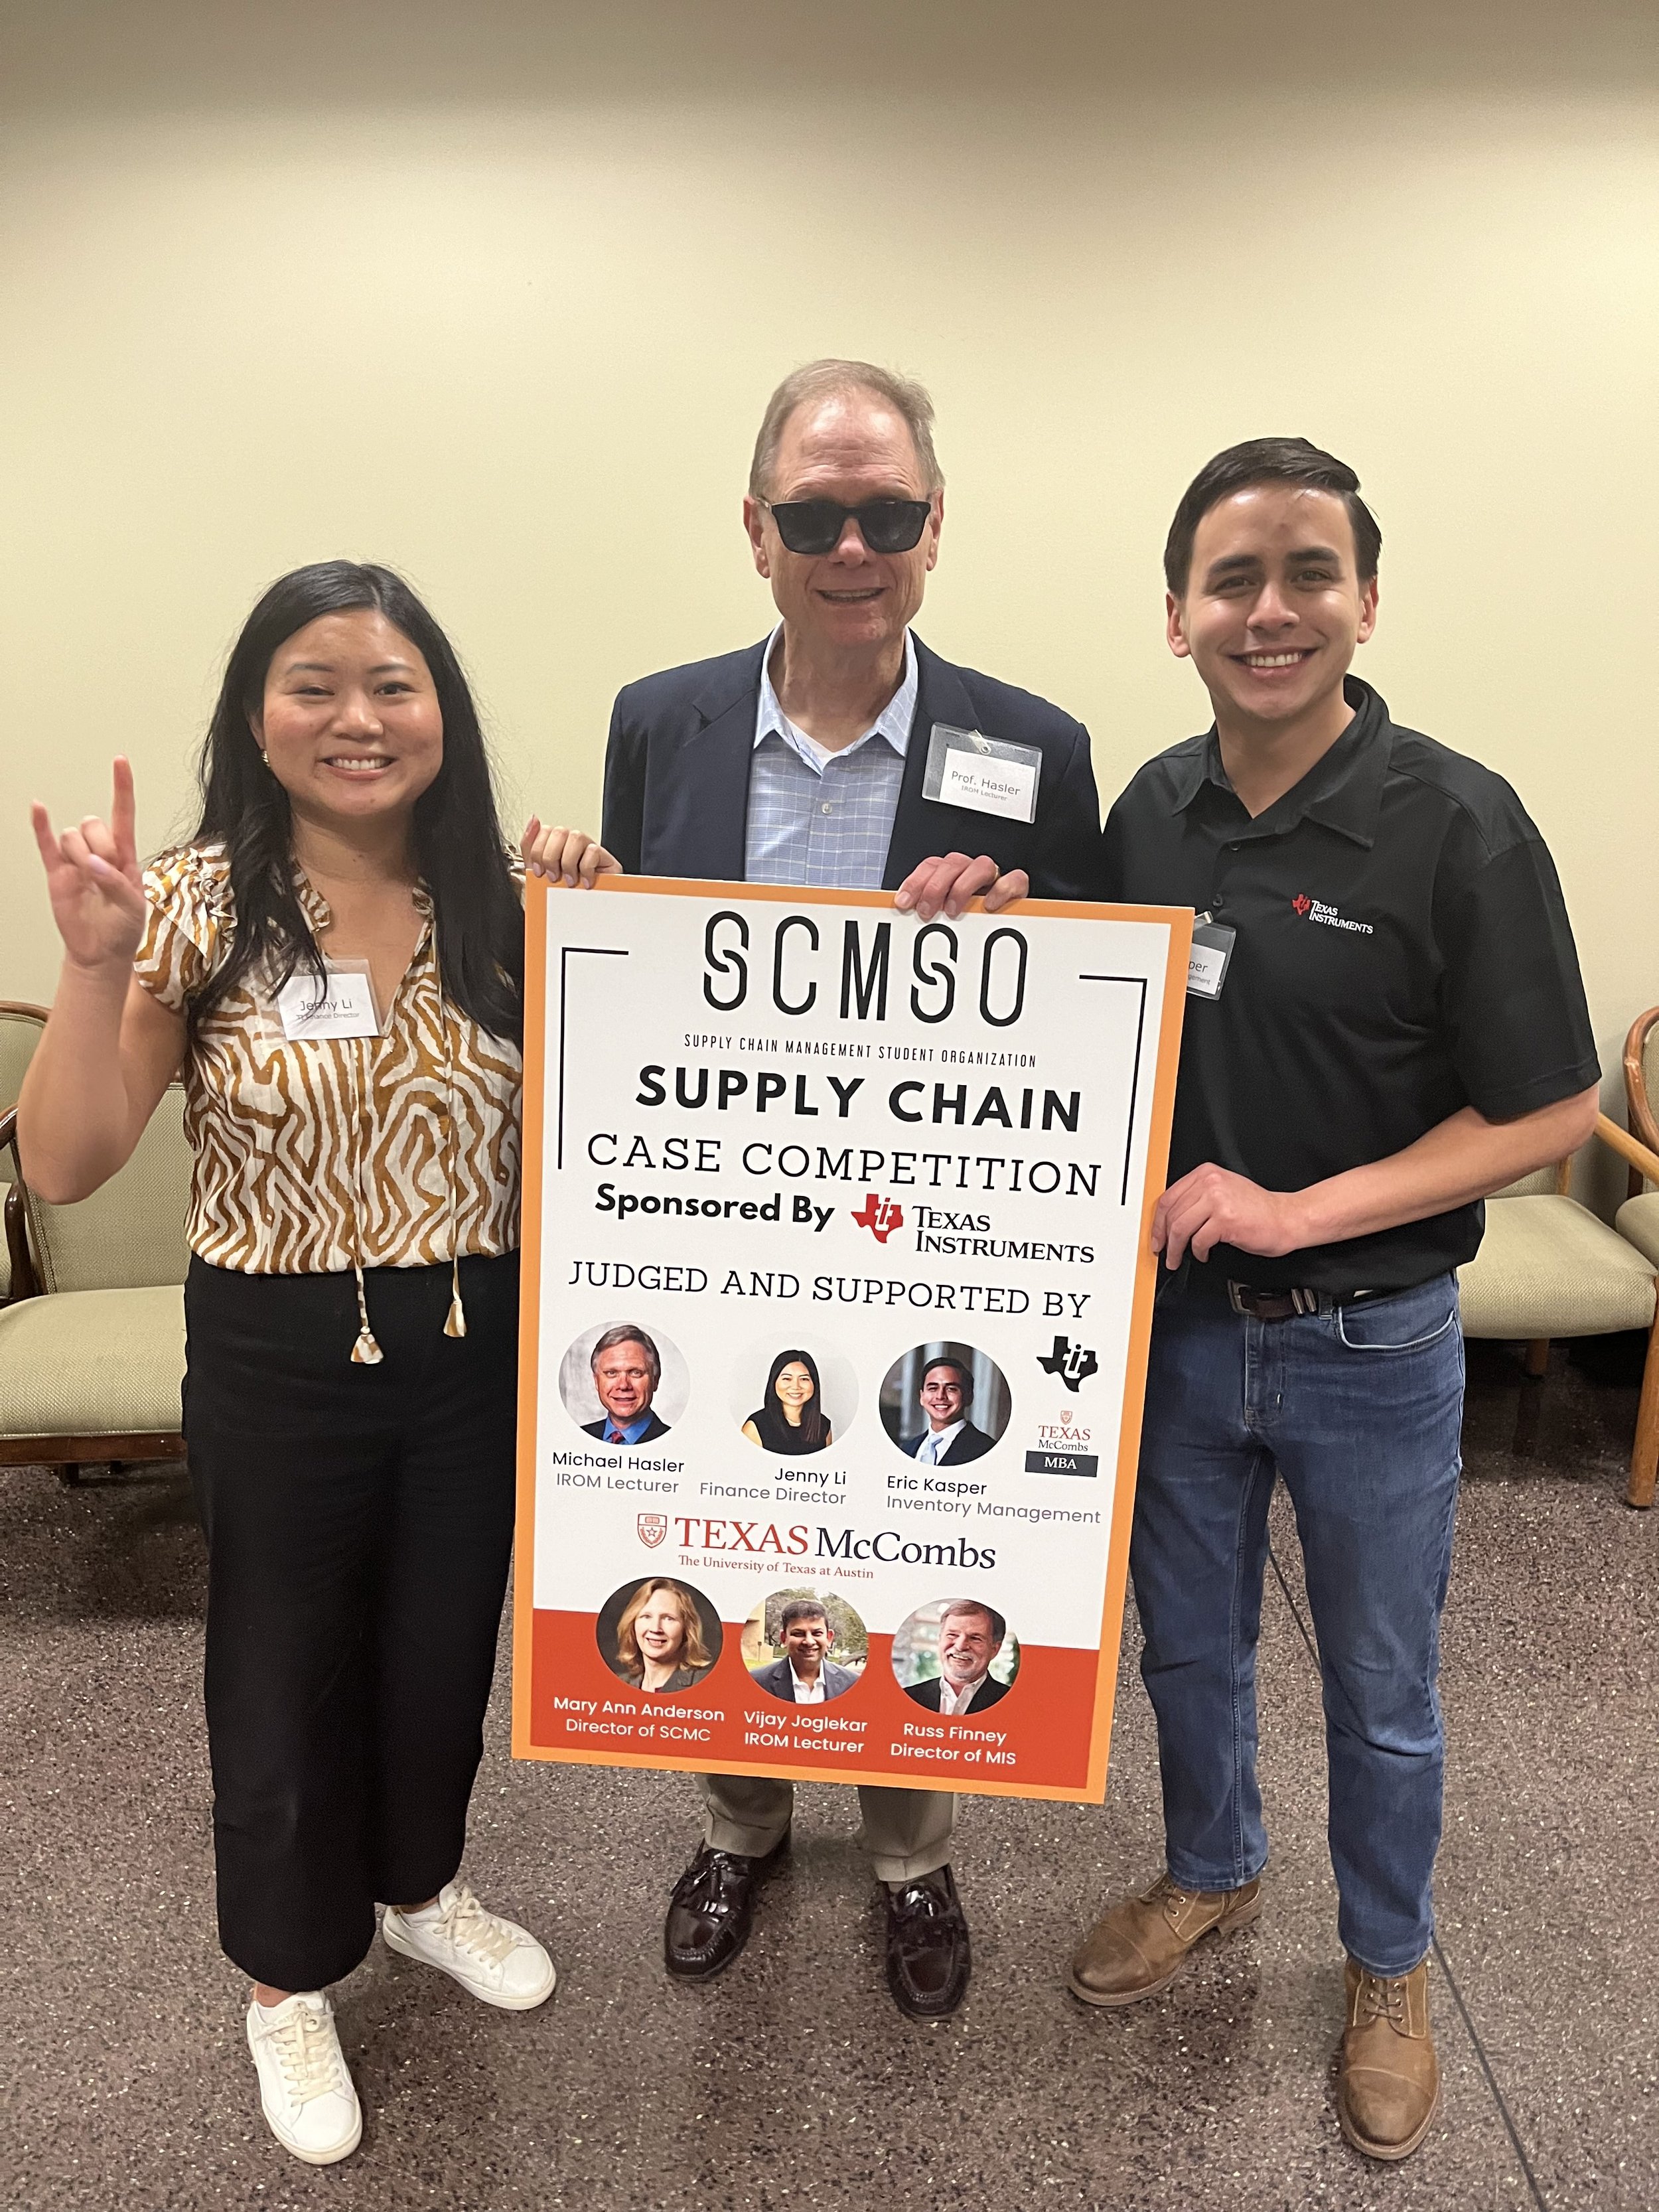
(988, 775)
(342, 1006)
(1207, 964)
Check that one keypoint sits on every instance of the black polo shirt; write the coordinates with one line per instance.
(1403, 950)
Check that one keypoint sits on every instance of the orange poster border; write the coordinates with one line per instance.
(1179, 922)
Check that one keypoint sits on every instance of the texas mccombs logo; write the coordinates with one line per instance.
(695, 1532)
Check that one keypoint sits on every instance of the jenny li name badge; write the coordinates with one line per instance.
(342, 1005)
(988, 775)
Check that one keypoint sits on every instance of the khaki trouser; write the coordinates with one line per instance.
(907, 1832)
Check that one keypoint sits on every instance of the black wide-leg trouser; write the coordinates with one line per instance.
(359, 1522)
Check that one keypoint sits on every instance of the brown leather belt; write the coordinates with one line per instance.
(1284, 1305)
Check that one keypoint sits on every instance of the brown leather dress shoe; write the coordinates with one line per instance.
(711, 1911)
(928, 1955)
(1388, 2081)
(1138, 1948)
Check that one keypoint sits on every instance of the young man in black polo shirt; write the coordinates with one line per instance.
(1385, 1023)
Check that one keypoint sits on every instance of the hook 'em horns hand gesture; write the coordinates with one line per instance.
(94, 881)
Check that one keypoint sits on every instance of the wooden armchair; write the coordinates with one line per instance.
(92, 1342)
(1642, 1085)
(20, 1032)
(1637, 1218)
(1549, 1267)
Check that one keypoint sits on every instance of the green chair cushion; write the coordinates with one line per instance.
(1548, 1267)
(1638, 1222)
(92, 1363)
(1540, 1183)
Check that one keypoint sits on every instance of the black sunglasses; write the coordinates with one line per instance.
(815, 526)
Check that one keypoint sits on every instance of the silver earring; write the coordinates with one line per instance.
(264, 756)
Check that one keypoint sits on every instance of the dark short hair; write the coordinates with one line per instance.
(1267, 460)
(965, 1374)
(802, 1608)
(998, 1625)
(625, 1333)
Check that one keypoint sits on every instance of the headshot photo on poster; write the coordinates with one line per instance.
(794, 1399)
(956, 1655)
(944, 1404)
(659, 1635)
(805, 1646)
(623, 1384)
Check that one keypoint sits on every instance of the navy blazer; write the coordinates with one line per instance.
(656, 1427)
(972, 1444)
(676, 777)
(774, 1679)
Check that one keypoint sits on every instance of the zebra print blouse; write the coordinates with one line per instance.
(319, 1155)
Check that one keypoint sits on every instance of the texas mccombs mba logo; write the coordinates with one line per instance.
(1067, 1434)
(651, 1528)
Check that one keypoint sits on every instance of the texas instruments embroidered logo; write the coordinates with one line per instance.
(1313, 909)
(880, 1216)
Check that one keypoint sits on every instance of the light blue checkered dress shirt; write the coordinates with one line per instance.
(824, 820)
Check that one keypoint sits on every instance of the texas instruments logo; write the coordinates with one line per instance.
(651, 1527)
(1313, 909)
(880, 1216)
(1068, 1363)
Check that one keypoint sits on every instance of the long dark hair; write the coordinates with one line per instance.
(773, 1424)
(458, 836)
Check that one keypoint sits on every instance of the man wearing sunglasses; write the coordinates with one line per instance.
(808, 759)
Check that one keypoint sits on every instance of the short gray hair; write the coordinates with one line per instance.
(993, 1620)
(628, 1334)
(828, 380)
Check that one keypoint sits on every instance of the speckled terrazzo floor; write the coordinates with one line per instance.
(792, 2082)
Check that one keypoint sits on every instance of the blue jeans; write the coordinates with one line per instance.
(1360, 1411)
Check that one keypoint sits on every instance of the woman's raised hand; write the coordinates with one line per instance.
(569, 856)
(96, 884)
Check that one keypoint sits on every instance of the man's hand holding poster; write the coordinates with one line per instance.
(838, 1294)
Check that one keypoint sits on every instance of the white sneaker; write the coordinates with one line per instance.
(499, 1961)
(304, 2088)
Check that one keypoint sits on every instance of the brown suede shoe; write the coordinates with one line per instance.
(1387, 2080)
(1138, 1948)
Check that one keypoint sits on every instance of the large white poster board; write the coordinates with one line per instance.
(837, 1292)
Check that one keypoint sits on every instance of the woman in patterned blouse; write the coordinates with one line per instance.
(333, 964)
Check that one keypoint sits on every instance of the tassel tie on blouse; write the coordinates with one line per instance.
(366, 1351)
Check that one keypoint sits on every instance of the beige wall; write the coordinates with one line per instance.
(495, 295)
